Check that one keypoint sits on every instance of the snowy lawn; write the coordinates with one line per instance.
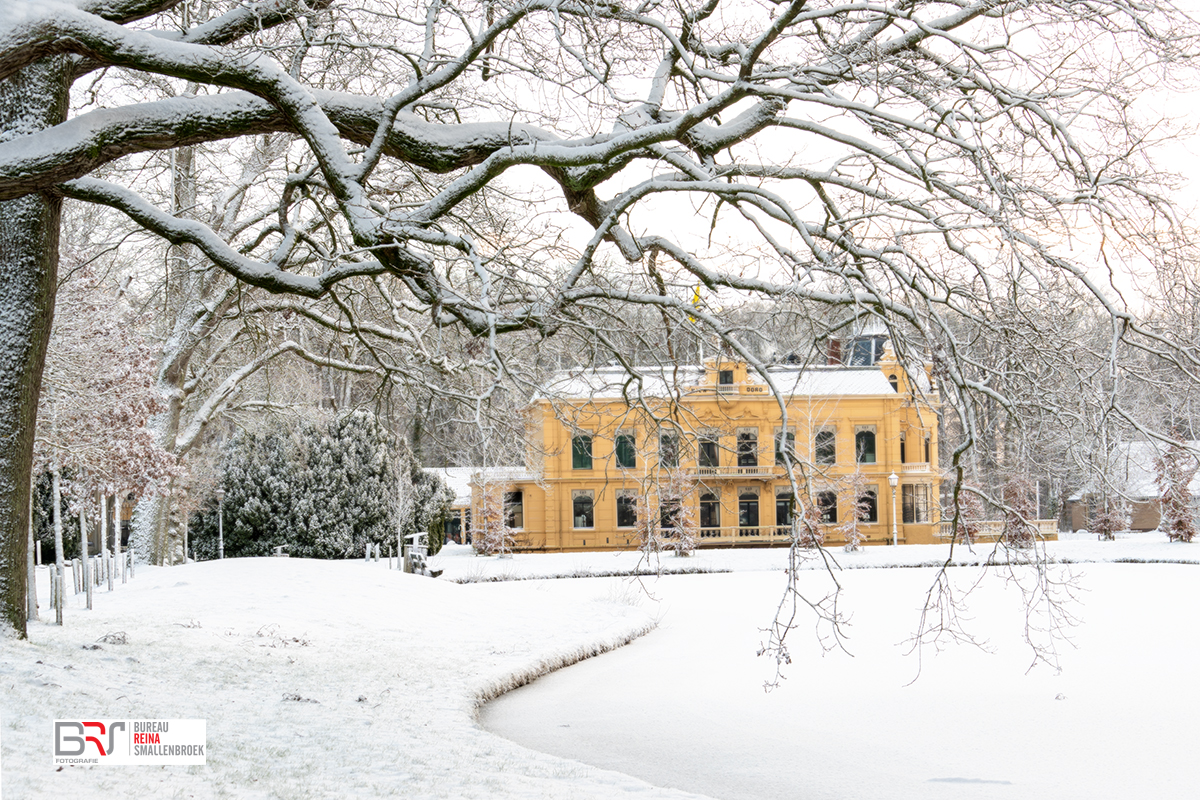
(384, 672)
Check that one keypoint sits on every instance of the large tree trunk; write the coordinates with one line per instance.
(31, 100)
(153, 522)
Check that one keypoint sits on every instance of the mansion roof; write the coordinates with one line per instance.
(615, 383)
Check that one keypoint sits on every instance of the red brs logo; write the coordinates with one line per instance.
(68, 745)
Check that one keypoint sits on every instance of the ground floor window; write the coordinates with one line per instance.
(626, 508)
(916, 502)
(670, 513)
(869, 505)
(583, 508)
(514, 510)
(710, 514)
(827, 507)
(784, 503)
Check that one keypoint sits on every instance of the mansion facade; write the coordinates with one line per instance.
(735, 458)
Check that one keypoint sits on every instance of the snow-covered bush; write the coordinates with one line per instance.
(971, 513)
(1020, 499)
(1113, 516)
(324, 491)
(860, 506)
(490, 532)
(429, 507)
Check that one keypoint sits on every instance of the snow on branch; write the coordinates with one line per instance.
(180, 231)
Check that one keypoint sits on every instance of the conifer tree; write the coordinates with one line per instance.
(1174, 472)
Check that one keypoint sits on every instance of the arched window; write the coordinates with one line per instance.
(895, 382)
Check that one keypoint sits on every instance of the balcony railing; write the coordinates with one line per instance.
(729, 389)
(994, 528)
(914, 468)
(758, 533)
(760, 471)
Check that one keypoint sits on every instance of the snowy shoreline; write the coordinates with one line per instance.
(460, 564)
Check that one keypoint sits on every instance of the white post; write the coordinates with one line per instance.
(83, 553)
(104, 531)
(892, 481)
(220, 523)
(117, 532)
(59, 566)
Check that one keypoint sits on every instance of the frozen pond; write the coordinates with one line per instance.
(684, 707)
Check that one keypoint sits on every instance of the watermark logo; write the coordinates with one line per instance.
(123, 742)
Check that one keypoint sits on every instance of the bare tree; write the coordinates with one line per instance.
(99, 396)
(913, 160)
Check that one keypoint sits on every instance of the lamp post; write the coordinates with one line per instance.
(893, 481)
(221, 521)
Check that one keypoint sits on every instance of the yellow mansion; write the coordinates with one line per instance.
(622, 454)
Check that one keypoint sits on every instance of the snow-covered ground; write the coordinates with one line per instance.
(385, 671)
(388, 670)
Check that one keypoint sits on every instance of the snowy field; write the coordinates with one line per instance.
(345, 679)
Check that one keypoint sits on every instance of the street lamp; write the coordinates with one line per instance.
(892, 481)
(221, 520)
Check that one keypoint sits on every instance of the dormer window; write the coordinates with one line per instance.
(895, 382)
(725, 377)
(865, 351)
(856, 351)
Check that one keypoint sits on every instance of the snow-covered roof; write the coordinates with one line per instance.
(827, 381)
(501, 475)
(460, 479)
(1131, 471)
(614, 383)
(609, 383)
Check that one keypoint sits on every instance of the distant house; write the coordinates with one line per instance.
(1131, 475)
